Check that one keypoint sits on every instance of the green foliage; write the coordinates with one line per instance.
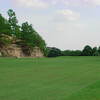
(4, 26)
(96, 53)
(31, 37)
(87, 51)
(28, 34)
(25, 34)
(12, 17)
(15, 28)
(94, 50)
(99, 50)
(53, 52)
(71, 53)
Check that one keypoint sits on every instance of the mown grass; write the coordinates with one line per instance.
(62, 78)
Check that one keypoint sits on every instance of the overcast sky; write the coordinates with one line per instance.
(66, 24)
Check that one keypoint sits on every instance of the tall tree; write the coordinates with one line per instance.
(4, 26)
(87, 51)
(31, 37)
(27, 34)
(13, 23)
(94, 49)
(99, 49)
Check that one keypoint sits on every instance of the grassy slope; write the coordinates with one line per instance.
(63, 78)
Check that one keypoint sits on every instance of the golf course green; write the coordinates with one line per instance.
(61, 78)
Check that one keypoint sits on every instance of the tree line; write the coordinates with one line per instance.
(23, 35)
(87, 51)
(27, 37)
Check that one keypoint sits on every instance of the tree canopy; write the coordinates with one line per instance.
(87, 51)
(25, 32)
(4, 26)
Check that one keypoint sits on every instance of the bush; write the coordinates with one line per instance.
(96, 53)
(53, 52)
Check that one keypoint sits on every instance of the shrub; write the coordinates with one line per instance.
(53, 52)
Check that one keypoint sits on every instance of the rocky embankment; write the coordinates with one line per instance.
(14, 50)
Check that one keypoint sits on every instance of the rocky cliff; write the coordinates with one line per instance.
(14, 50)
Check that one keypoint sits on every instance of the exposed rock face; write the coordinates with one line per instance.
(36, 52)
(14, 50)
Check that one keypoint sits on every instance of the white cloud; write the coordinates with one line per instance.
(68, 15)
(95, 2)
(81, 2)
(32, 3)
(47, 3)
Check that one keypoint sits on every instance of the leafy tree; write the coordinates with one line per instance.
(40, 42)
(5, 30)
(87, 51)
(4, 26)
(27, 34)
(13, 23)
(31, 37)
(99, 50)
(95, 51)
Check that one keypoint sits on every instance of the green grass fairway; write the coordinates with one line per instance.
(62, 78)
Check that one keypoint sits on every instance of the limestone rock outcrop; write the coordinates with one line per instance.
(14, 50)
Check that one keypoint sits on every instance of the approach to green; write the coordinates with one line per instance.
(61, 78)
